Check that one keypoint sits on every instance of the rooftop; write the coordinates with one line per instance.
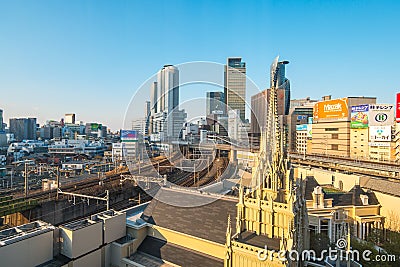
(15, 234)
(73, 226)
(260, 241)
(193, 213)
(177, 254)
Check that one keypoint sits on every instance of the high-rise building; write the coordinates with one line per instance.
(1, 120)
(215, 103)
(23, 128)
(235, 85)
(147, 114)
(166, 118)
(70, 118)
(278, 68)
(168, 88)
(153, 98)
(259, 108)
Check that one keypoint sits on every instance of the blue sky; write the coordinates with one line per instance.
(89, 57)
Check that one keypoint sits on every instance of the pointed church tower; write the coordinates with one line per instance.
(273, 207)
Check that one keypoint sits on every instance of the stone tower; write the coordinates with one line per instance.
(271, 214)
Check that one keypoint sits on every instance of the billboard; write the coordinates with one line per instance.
(95, 127)
(129, 135)
(309, 130)
(398, 107)
(359, 116)
(381, 115)
(380, 133)
(331, 110)
(301, 127)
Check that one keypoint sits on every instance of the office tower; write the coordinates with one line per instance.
(1, 120)
(168, 88)
(147, 114)
(235, 85)
(282, 82)
(259, 109)
(70, 118)
(166, 118)
(153, 98)
(23, 128)
(215, 103)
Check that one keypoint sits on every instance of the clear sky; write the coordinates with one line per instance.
(89, 57)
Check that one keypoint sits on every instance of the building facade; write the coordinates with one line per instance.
(235, 85)
(259, 109)
(166, 118)
(331, 125)
(278, 70)
(215, 103)
(1, 120)
(70, 118)
(23, 128)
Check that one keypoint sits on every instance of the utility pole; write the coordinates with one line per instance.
(58, 180)
(26, 180)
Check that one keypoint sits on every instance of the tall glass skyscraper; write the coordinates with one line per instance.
(167, 119)
(281, 81)
(235, 85)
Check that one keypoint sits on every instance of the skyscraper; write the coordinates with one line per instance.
(23, 128)
(166, 119)
(153, 98)
(259, 109)
(147, 112)
(235, 85)
(168, 88)
(278, 68)
(215, 103)
(1, 120)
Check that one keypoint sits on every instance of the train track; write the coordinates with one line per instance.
(88, 183)
(385, 170)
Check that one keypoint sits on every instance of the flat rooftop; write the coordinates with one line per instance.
(73, 226)
(15, 234)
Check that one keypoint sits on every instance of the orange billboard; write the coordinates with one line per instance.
(331, 110)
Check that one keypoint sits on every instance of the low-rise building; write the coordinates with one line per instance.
(333, 212)
(27, 245)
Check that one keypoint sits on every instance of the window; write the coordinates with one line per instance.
(331, 129)
(334, 147)
(335, 136)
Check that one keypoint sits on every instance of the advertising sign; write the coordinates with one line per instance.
(331, 110)
(128, 135)
(380, 133)
(381, 115)
(379, 144)
(301, 127)
(398, 107)
(359, 116)
(95, 127)
(309, 130)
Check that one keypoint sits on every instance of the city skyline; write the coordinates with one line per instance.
(93, 59)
